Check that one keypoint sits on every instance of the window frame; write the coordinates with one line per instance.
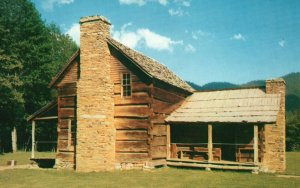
(122, 85)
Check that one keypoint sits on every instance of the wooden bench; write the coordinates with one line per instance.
(245, 153)
(195, 152)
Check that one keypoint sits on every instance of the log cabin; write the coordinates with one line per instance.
(119, 109)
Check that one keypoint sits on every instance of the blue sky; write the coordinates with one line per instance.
(200, 40)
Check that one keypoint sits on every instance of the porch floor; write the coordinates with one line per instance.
(228, 165)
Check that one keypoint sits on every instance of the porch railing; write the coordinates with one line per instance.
(244, 152)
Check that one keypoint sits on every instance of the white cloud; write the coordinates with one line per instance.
(49, 4)
(132, 39)
(144, 36)
(185, 3)
(190, 48)
(156, 41)
(74, 33)
(176, 12)
(163, 2)
(128, 38)
(238, 36)
(142, 2)
(128, 2)
(197, 34)
(281, 43)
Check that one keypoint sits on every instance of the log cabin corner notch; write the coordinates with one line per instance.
(126, 110)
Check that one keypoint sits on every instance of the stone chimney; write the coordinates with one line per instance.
(274, 156)
(95, 144)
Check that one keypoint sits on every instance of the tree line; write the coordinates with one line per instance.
(31, 53)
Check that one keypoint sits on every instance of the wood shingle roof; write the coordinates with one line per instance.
(229, 106)
(151, 66)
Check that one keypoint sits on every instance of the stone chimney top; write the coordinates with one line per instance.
(276, 80)
(94, 18)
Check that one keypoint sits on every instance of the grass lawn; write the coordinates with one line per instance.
(22, 157)
(163, 177)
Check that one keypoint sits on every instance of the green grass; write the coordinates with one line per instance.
(22, 157)
(163, 177)
(293, 163)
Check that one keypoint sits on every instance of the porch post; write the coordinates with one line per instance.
(255, 144)
(69, 132)
(168, 141)
(209, 143)
(32, 139)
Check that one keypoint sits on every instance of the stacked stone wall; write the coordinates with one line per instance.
(95, 148)
(274, 157)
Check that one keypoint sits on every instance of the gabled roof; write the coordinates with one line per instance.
(228, 106)
(60, 74)
(43, 110)
(151, 67)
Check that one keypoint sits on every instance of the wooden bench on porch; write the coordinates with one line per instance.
(245, 153)
(193, 151)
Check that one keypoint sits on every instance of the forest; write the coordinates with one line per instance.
(31, 53)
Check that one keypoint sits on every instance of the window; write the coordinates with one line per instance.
(126, 85)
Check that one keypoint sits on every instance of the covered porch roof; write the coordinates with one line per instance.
(249, 105)
(46, 112)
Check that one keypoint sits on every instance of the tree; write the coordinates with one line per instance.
(31, 53)
(293, 131)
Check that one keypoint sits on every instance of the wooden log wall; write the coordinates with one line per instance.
(163, 104)
(131, 117)
(67, 118)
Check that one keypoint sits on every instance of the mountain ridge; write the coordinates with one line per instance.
(292, 88)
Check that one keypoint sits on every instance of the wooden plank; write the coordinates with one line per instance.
(158, 152)
(225, 114)
(136, 87)
(67, 101)
(132, 157)
(159, 141)
(209, 143)
(69, 133)
(46, 118)
(67, 91)
(63, 123)
(133, 135)
(158, 119)
(131, 146)
(220, 166)
(67, 112)
(32, 139)
(117, 68)
(168, 139)
(157, 162)
(70, 76)
(255, 144)
(134, 100)
(123, 123)
(132, 111)
(166, 96)
(62, 145)
(164, 107)
(62, 134)
(204, 109)
(65, 156)
(158, 130)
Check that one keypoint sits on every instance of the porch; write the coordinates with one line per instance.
(221, 129)
(227, 146)
(46, 116)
